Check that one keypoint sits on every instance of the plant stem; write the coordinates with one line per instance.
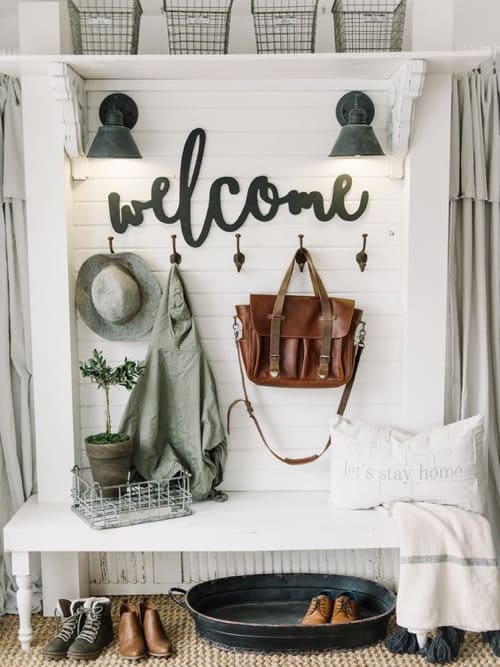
(108, 415)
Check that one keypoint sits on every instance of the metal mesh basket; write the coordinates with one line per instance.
(285, 26)
(369, 25)
(105, 26)
(135, 502)
(198, 26)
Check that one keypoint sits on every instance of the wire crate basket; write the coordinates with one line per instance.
(131, 503)
(108, 27)
(369, 25)
(198, 26)
(285, 26)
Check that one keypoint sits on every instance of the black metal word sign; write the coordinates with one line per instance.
(261, 194)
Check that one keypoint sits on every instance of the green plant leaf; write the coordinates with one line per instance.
(104, 376)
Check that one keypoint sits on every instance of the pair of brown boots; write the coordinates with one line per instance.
(141, 633)
(325, 608)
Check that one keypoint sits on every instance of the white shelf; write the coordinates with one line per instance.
(247, 521)
(248, 66)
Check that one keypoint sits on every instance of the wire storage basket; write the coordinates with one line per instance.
(108, 27)
(369, 25)
(285, 26)
(198, 26)
(131, 503)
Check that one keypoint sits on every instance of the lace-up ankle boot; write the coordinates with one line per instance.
(96, 633)
(319, 610)
(73, 614)
(345, 609)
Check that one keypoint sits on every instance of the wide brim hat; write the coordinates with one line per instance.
(117, 295)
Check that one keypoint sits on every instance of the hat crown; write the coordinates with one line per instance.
(115, 294)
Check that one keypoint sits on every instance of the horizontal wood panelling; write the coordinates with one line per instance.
(283, 130)
(254, 120)
(216, 164)
(204, 87)
(97, 189)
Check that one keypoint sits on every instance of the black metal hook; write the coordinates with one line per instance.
(238, 257)
(361, 256)
(300, 258)
(110, 243)
(175, 258)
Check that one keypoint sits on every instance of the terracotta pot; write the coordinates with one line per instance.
(110, 464)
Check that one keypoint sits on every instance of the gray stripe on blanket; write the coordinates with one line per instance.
(444, 558)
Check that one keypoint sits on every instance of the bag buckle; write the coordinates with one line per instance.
(274, 365)
(237, 329)
(362, 334)
(324, 364)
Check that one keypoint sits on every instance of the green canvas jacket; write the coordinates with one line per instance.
(172, 414)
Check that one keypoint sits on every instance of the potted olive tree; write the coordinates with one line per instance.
(109, 453)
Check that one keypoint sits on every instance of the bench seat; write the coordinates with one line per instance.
(248, 521)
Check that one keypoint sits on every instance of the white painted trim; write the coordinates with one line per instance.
(65, 575)
(51, 311)
(427, 188)
(69, 90)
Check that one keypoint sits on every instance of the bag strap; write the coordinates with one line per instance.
(277, 317)
(251, 412)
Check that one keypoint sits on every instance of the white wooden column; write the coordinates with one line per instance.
(51, 308)
(52, 311)
(425, 292)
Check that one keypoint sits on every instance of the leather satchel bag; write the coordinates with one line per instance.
(298, 341)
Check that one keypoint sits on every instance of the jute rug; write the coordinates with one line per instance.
(190, 651)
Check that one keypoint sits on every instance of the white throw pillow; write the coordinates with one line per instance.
(372, 465)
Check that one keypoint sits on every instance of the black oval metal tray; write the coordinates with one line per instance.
(262, 612)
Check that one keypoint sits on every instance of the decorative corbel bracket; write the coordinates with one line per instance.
(69, 89)
(405, 86)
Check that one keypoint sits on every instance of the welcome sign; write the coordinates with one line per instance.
(262, 199)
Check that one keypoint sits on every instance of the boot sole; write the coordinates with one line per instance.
(135, 657)
(55, 656)
(161, 655)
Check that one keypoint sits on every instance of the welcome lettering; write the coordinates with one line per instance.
(262, 199)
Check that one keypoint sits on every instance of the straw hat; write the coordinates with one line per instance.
(117, 295)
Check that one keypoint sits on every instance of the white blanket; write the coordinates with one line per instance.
(448, 569)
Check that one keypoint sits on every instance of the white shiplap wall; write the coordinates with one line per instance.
(284, 130)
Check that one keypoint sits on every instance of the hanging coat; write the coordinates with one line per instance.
(172, 414)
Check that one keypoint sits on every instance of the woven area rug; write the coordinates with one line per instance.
(190, 651)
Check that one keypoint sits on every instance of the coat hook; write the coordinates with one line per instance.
(175, 258)
(238, 257)
(362, 257)
(110, 243)
(300, 258)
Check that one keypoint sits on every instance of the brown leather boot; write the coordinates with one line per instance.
(131, 643)
(319, 610)
(159, 645)
(345, 610)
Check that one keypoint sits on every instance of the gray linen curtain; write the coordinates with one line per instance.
(473, 354)
(17, 466)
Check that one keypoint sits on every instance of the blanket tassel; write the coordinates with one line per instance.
(402, 641)
(445, 645)
(492, 637)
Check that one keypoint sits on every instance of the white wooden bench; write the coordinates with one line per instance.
(248, 521)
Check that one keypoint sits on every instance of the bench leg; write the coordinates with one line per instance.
(21, 570)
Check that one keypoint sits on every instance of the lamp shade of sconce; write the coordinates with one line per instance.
(355, 112)
(118, 114)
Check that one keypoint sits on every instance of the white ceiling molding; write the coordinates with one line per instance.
(70, 90)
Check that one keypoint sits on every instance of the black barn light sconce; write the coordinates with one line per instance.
(355, 112)
(118, 114)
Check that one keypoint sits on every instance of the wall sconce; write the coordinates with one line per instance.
(355, 112)
(118, 114)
